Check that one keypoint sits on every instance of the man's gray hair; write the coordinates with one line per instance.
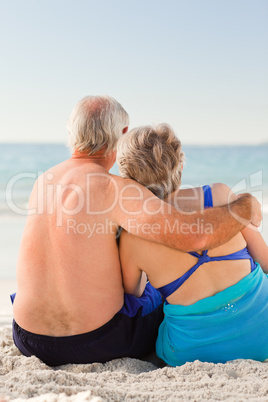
(95, 122)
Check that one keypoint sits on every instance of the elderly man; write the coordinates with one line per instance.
(70, 305)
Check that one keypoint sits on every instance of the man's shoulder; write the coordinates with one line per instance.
(127, 183)
(103, 180)
(120, 179)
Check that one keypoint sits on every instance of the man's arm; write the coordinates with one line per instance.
(142, 214)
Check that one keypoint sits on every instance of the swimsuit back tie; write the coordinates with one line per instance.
(204, 258)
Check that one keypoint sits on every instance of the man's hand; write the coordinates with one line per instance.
(256, 213)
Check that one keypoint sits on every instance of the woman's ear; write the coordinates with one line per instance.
(125, 129)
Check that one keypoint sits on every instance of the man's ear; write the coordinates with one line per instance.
(124, 131)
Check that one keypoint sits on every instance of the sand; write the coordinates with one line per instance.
(127, 379)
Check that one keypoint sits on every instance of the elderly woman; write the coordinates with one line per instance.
(216, 301)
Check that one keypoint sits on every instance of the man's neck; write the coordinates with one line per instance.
(100, 158)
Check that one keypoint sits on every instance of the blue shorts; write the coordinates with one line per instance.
(132, 332)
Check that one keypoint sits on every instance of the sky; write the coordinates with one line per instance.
(199, 65)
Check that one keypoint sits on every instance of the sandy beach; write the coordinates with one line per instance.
(122, 379)
(127, 379)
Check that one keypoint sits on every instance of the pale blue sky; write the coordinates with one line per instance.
(200, 65)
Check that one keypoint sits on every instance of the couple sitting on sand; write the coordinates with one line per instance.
(83, 294)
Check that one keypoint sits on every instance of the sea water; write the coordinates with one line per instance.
(243, 168)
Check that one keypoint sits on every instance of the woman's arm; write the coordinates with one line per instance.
(134, 279)
(256, 245)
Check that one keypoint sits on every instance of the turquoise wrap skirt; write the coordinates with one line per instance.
(233, 324)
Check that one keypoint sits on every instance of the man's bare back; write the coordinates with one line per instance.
(68, 272)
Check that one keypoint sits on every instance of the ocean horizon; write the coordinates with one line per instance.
(243, 168)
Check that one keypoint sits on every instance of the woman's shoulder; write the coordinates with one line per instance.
(222, 194)
(192, 199)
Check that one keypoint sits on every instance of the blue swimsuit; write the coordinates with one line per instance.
(243, 254)
(221, 327)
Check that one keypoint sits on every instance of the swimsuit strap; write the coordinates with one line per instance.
(208, 201)
(238, 255)
(203, 258)
(171, 287)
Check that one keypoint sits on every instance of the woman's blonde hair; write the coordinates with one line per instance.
(95, 122)
(152, 156)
